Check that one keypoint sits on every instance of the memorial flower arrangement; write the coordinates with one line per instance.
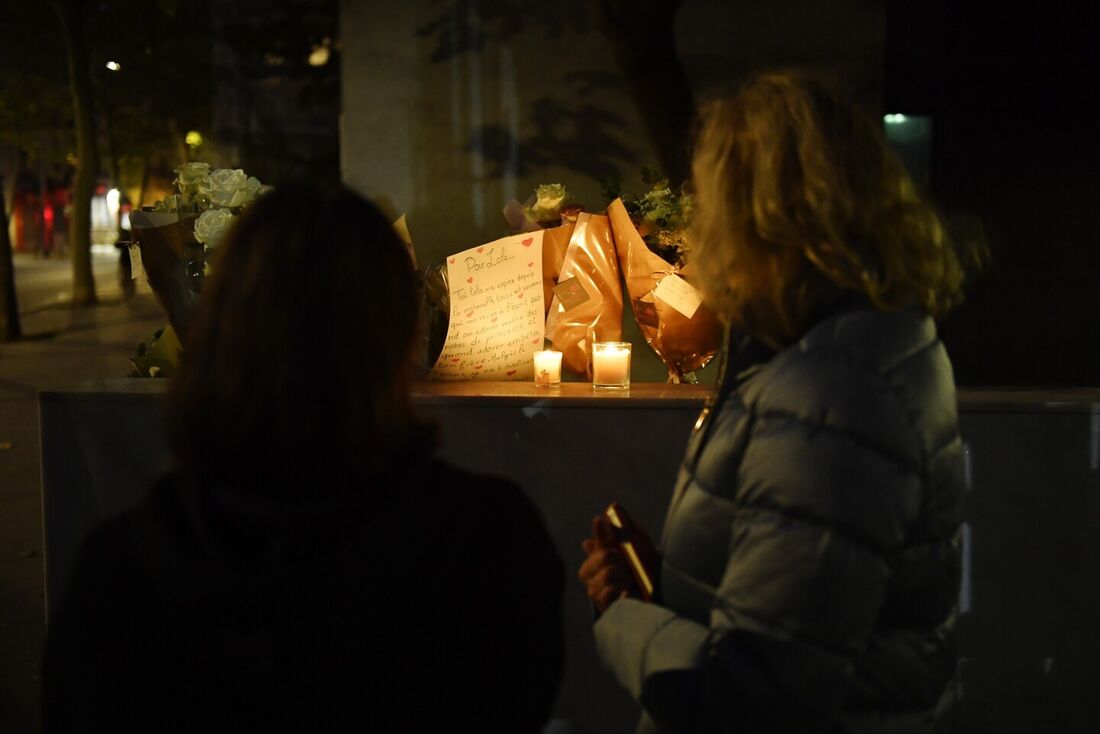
(216, 196)
(174, 241)
(653, 241)
(642, 242)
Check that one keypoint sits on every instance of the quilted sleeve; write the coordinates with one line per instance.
(817, 503)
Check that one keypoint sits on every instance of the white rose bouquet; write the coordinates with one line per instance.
(216, 196)
(175, 240)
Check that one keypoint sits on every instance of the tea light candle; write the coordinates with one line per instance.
(547, 369)
(611, 365)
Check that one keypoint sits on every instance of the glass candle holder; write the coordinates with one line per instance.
(611, 365)
(547, 369)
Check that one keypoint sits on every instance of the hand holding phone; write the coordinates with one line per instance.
(635, 547)
(621, 560)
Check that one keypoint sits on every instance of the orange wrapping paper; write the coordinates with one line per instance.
(683, 344)
(588, 301)
(555, 242)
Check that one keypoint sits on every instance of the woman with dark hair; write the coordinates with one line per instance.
(809, 565)
(309, 565)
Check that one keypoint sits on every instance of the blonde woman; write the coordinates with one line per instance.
(808, 568)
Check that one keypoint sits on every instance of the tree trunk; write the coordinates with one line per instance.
(10, 329)
(80, 233)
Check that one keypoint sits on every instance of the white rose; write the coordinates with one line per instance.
(193, 180)
(212, 225)
(251, 189)
(228, 187)
(547, 203)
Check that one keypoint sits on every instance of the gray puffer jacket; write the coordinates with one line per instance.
(810, 567)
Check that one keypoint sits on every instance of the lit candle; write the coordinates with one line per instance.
(547, 369)
(611, 365)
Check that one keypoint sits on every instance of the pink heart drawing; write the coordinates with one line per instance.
(469, 314)
(493, 320)
(480, 249)
(470, 279)
(478, 366)
(531, 264)
(535, 341)
(456, 359)
(520, 296)
(452, 261)
(510, 372)
(527, 242)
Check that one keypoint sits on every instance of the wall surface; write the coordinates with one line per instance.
(1028, 658)
(452, 108)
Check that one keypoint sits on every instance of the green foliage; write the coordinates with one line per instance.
(662, 215)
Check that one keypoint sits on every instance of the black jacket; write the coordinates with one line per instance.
(427, 601)
(810, 569)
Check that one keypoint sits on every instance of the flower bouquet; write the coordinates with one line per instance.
(583, 297)
(587, 305)
(653, 245)
(176, 236)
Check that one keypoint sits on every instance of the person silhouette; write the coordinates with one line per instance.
(308, 564)
(808, 569)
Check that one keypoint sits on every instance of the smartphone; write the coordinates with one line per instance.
(628, 538)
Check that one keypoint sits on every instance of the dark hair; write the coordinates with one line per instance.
(798, 195)
(298, 362)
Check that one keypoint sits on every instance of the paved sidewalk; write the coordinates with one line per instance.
(62, 347)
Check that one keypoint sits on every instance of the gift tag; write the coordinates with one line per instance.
(571, 293)
(136, 270)
(678, 293)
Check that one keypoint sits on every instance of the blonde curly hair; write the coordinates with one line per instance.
(799, 198)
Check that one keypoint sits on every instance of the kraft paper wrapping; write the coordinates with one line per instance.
(165, 248)
(683, 344)
(555, 242)
(587, 304)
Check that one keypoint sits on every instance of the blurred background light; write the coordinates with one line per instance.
(320, 54)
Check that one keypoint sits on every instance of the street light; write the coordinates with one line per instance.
(114, 65)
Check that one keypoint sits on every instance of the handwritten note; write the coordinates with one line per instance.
(497, 313)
